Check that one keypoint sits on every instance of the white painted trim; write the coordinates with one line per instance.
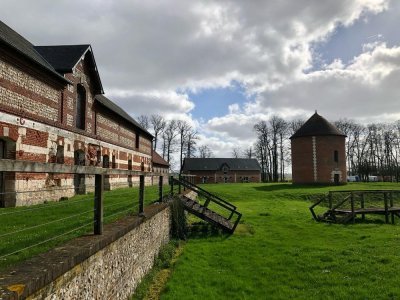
(71, 136)
(314, 146)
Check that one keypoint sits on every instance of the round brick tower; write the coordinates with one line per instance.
(318, 153)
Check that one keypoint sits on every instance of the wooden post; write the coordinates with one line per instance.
(385, 199)
(141, 196)
(179, 185)
(362, 205)
(330, 200)
(160, 188)
(98, 204)
(353, 217)
(391, 205)
(171, 182)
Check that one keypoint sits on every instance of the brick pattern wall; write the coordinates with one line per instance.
(25, 95)
(37, 118)
(317, 165)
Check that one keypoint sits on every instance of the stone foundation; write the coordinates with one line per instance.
(109, 266)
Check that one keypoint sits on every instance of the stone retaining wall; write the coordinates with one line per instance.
(109, 266)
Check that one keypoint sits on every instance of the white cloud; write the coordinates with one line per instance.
(150, 52)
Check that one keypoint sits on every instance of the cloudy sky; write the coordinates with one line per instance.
(224, 65)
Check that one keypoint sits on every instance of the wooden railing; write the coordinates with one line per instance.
(8, 165)
(209, 198)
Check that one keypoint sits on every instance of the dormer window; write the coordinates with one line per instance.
(80, 107)
(225, 169)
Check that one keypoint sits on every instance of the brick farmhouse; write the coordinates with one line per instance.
(53, 109)
(318, 153)
(222, 170)
(160, 165)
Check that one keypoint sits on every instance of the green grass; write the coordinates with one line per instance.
(280, 252)
(23, 227)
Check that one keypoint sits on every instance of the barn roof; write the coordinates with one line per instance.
(64, 58)
(107, 103)
(317, 126)
(18, 43)
(215, 164)
(158, 160)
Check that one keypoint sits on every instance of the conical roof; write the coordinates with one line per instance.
(317, 126)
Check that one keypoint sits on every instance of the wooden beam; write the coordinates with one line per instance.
(141, 196)
(9, 165)
(98, 204)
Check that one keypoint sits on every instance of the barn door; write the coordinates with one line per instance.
(2, 179)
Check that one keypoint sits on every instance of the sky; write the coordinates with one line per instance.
(225, 65)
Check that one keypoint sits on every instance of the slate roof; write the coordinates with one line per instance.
(107, 103)
(317, 126)
(64, 58)
(216, 164)
(158, 160)
(22, 46)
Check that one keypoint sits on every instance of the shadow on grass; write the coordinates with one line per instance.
(289, 186)
(201, 230)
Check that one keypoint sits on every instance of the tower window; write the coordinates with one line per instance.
(80, 107)
(336, 156)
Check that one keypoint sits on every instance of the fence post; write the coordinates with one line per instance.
(362, 205)
(171, 182)
(160, 188)
(179, 185)
(141, 196)
(352, 208)
(98, 204)
(385, 199)
(391, 205)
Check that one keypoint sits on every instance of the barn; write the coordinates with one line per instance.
(222, 170)
(53, 109)
(318, 153)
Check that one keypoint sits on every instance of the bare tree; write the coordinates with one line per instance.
(248, 152)
(191, 139)
(236, 152)
(183, 131)
(169, 135)
(158, 124)
(278, 127)
(205, 152)
(144, 121)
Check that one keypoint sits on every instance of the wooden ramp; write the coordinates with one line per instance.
(227, 221)
(352, 204)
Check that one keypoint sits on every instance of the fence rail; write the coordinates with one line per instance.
(92, 215)
(10, 165)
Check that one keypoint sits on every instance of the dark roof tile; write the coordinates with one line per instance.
(158, 160)
(24, 47)
(317, 126)
(119, 111)
(214, 164)
(64, 58)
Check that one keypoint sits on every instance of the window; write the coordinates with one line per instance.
(137, 140)
(2, 149)
(60, 154)
(129, 164)
(336, 156)
(106, 161)
(98, 157)
(114, 164)
(79, 158)
(80, 107)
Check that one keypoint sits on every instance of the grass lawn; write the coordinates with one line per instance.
(26, 231)
(280, 252)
